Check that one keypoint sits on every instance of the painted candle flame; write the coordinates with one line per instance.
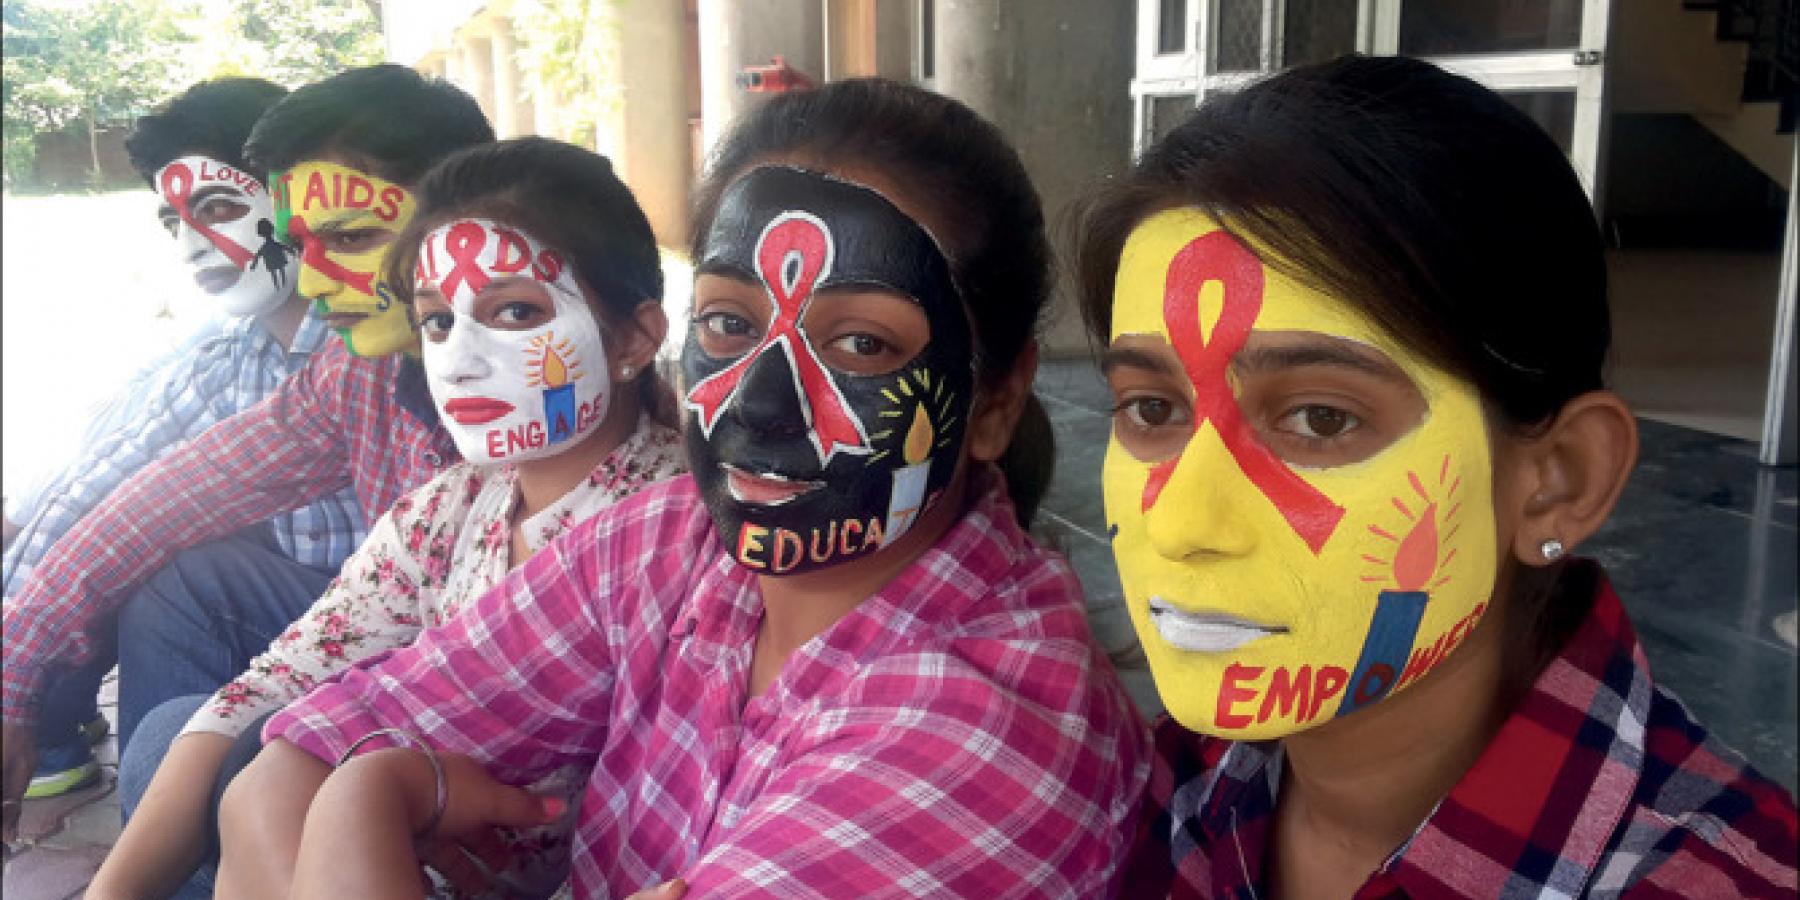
(918, 437)
(1416, 558)
(555, 373)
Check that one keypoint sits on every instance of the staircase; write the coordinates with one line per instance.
(1770, 33)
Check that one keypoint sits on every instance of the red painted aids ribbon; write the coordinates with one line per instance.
(312, 254)
(1218, 256)
(792, 255)
(178, 188)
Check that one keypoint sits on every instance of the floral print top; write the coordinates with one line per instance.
(438, 549)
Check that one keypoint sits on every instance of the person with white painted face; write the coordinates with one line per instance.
(537, 285)
(832, 663)
(190, 151)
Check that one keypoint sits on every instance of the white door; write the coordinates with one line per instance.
(1547, 56)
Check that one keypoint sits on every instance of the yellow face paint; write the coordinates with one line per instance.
(345, 221)
(1269, 596)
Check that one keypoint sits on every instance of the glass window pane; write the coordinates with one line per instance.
(1164, 113)
(1317, 30)
(1447, 27)
(1171, 26)
(1238, 36)
(1554, 111)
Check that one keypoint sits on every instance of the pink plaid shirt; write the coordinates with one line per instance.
(957, 734)
(340, 421)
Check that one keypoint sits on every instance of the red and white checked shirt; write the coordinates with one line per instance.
(341, 421)
(956, 735)
(1598, 785)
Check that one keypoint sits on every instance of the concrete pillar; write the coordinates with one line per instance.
(478, 73)
(1008, 59)
(735, 34)
(453, 65)
(648, 125)
(512, 116)
(868, 37)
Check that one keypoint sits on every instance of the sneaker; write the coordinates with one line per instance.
(69, 766)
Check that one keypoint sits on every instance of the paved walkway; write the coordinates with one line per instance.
(62, 840)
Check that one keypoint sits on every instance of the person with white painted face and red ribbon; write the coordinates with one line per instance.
(537, 284)
(214, 205)
(831, 663)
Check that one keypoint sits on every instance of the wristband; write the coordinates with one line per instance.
(414, 742)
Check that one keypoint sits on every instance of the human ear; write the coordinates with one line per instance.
(634, 345)
(1563, 483)
(998, 406)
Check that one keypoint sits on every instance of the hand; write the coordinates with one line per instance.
(466, 846)
(673, 889)
(18, 758)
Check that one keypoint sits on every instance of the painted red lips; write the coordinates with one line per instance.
(476, 410)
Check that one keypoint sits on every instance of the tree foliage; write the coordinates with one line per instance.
(105, 62)
(98, 63)
(572, 44)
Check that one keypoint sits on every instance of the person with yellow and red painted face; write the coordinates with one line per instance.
(214, 204)
(168, 556)
(1355, 319)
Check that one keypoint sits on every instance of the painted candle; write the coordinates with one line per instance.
(559, 397)
(909, 480)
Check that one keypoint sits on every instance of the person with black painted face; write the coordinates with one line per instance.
(831, 663)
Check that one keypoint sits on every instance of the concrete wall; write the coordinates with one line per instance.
(1055, 76)
(735, 34)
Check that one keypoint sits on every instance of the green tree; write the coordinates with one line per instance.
(572, 44)
(97, 63)
(292, 42)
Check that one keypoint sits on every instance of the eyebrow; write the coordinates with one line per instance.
(1334, 353)
(725, 269)
(207, 193)
(1132, 357)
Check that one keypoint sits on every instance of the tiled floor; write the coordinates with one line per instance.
(1702, 548)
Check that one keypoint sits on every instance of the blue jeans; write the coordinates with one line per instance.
(200, 621)
(155, 734)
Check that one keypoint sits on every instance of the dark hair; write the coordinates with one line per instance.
(388, 120)
(1427, 202)
(210, 119)
(1420, 197)
(565, 196)
(953, 160)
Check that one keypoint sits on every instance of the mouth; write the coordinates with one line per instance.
(1207, 632)
(476, 410)
(216, 279)
(342, 321)
(765, 489)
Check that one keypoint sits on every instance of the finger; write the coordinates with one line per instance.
(673, 889)
(450, 861)
(522, 809)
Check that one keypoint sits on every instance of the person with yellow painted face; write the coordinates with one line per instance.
(196, 596)
(1355, 319)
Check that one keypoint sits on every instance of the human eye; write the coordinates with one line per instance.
(219, 210)
(1152, 426)
(724, 333)
(517, 314)
(1317, 422)
(352, 241)
(436, 325)
(862, 353)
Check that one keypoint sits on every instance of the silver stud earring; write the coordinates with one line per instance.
(625, 372)
(1552, 550)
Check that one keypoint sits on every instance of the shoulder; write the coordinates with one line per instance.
(1702, 821)
(663, 524)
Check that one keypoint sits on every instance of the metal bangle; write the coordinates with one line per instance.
(413, 742)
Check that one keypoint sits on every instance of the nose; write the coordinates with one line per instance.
(315, 284)
(1208, 507)
(192, 245)
(768, 399)
(460, 359)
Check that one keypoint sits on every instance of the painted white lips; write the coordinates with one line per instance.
(1205, 632)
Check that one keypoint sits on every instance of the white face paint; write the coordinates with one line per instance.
(224, 225)
(509, 394)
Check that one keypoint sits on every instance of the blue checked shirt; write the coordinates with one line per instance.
(220, 378)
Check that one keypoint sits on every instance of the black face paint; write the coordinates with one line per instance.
(879, 448)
